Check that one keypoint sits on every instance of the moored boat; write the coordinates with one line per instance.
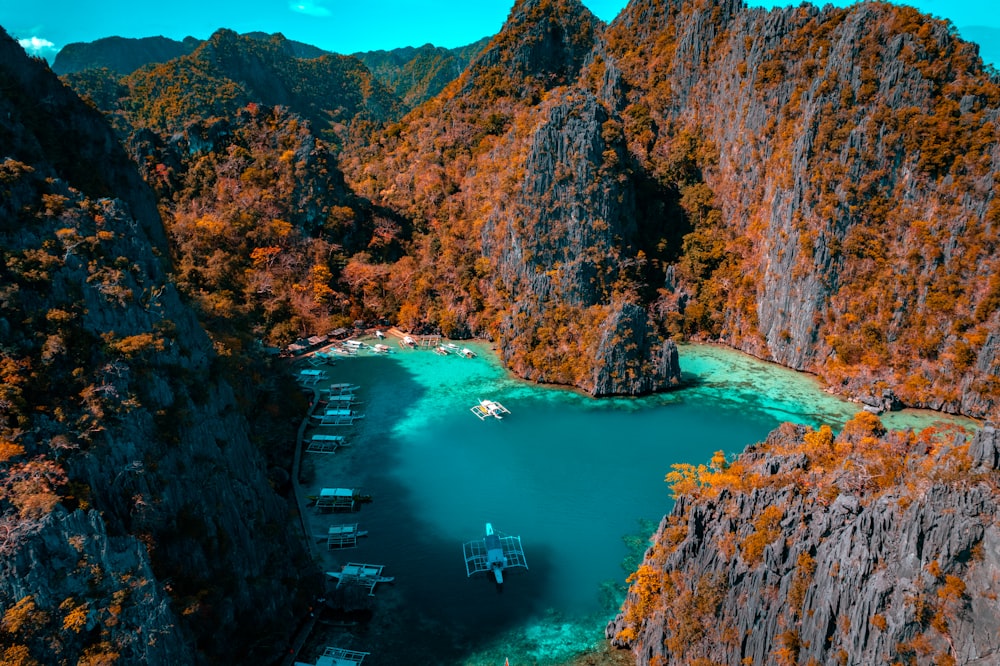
(487, 408)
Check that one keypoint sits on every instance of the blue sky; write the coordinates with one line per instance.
(348, 26)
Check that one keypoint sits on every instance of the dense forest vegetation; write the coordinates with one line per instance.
(417, 74)
(132, 496)
(865, 546)
(812, 186)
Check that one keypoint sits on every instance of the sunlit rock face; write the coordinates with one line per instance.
(831, 567)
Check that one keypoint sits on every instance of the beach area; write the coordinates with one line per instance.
(579, 480)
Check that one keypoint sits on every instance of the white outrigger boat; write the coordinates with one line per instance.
(487, 408)
(340, 388)
(361, 575)
(337, 499)
(343, 536)
(467, 353)
(325, 443)
(337, 417)
(493, 553)
(337, 657)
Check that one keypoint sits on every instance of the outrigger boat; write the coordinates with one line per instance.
(493, 553)
(341, 401)
(487, 408)
(344, 351)
(362, 575)
(325, 443)
(342, 536)
(467, 353)
(441, 350)
(338, 657)
(340, 388)
(337, 417)
(332, 499)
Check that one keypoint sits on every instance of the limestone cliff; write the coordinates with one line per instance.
(530, 190)
(138, 521)
(813, 186)
(852, 155)
(867, 548)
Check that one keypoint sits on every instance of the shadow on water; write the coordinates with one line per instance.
(432, 612)
(565, 472)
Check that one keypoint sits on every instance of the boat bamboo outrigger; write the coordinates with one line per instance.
(340, 388)
(325, 443)
(361, 575)
(337, 417)
(344, 536)
(340, 400)
(337, 499)
(494, 553)
(487, 408)
(337, 657)
(311, 376)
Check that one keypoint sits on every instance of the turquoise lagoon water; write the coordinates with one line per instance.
(579, 480)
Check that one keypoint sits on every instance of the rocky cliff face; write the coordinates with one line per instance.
(138, 519)
(858, 562)
(775, 169)
(854, 151)
(813, 186)
(541, 190)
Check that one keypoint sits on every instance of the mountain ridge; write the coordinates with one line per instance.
(414, 74)
(662, 72)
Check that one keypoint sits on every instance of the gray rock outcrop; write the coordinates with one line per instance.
(865, 576)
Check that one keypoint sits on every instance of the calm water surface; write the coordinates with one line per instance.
(578, 479)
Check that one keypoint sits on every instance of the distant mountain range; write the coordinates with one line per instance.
(121, 55)
(414, 75)
(417, 74)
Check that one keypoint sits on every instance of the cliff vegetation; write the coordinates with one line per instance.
(812, 186)
(863, 546)
(137, 520)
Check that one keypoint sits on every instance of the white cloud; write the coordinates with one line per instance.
(37, 46)
(308, 7)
